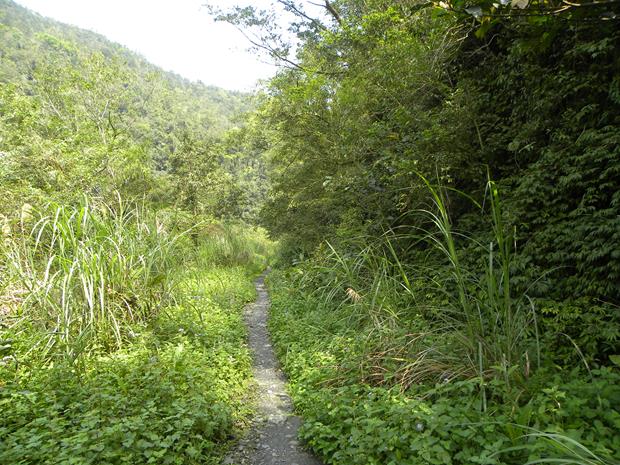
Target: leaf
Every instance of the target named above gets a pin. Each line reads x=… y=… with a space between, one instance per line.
x=475 y=11
x=522 y=4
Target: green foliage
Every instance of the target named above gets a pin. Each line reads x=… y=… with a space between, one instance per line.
x=487 y=14
x=121 y=337
x=347 y=140
x=86 y=274
x=390 y=90
x=173 y=395
x=80 y=115
x=547 y=127
x=113 y=350
x=432 y=321
x=421 y=324
x=580 y=331
x=447 y=304
x=350 y=421
x=236 y=245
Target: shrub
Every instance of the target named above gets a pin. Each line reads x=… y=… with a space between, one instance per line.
x=83 y=275
x=174 y=395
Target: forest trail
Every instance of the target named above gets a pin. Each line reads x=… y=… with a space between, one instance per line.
x=272 y=439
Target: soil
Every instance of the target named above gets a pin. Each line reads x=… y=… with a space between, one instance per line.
x=272 y=438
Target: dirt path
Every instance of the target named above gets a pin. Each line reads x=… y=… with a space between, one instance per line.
x=272 y=439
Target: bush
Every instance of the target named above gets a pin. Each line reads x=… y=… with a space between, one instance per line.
x=352 y=417
x=172 y=396
x=110 y=351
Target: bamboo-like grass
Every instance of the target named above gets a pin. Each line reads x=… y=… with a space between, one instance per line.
x=88 y=274
x=86 y=278
x=552 y=447
x=496 y=331
x=478 y=328
x=234 y=245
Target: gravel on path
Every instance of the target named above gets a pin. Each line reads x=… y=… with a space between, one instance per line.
x=272 y=439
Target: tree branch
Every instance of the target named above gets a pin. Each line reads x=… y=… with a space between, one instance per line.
x=272 y=51
x=329 y=7
x=291 y=5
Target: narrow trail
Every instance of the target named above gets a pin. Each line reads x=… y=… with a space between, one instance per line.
x=272 y=439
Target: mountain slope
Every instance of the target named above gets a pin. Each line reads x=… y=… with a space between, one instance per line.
x=22 y=31
x=80 y=115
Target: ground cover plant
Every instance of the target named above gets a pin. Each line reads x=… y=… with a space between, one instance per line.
x=444 y=187
x=122 y=340
x=443 y=181
x=405 y=392
x=126 y=253
x=435 y=362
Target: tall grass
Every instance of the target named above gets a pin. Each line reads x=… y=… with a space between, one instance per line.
x=234 y=245
x=86 y=275
x=458 y=321
x=552 y=447
x=493 y=326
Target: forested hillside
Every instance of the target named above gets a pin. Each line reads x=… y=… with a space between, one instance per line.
x=82 y=115
x=124 y=261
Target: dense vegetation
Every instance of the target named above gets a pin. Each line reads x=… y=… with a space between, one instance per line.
x=445 y=189
x=123 y=264
x=80 y=115
x=442 y=178
x=122 y=342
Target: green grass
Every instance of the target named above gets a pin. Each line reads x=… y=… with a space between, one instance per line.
x=174 y=395
x=122 y=341
x=345 y=382
x=83 y=276
x=235 y=244
x=432 y=317
x=435 y=360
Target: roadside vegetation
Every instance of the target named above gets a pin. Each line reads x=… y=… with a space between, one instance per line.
x=437 y=362
x=126 y=254
x=443 y=183
x=445 y=187
x=122 y=341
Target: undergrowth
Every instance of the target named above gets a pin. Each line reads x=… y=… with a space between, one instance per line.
x=352 y=417
x=400 y=361
x=122 y=341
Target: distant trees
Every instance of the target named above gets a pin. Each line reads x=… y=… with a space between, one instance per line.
x=80 y=115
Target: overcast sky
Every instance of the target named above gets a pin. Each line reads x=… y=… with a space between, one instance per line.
x=177 y=35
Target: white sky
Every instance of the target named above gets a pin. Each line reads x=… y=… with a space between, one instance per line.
x=177 y=35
